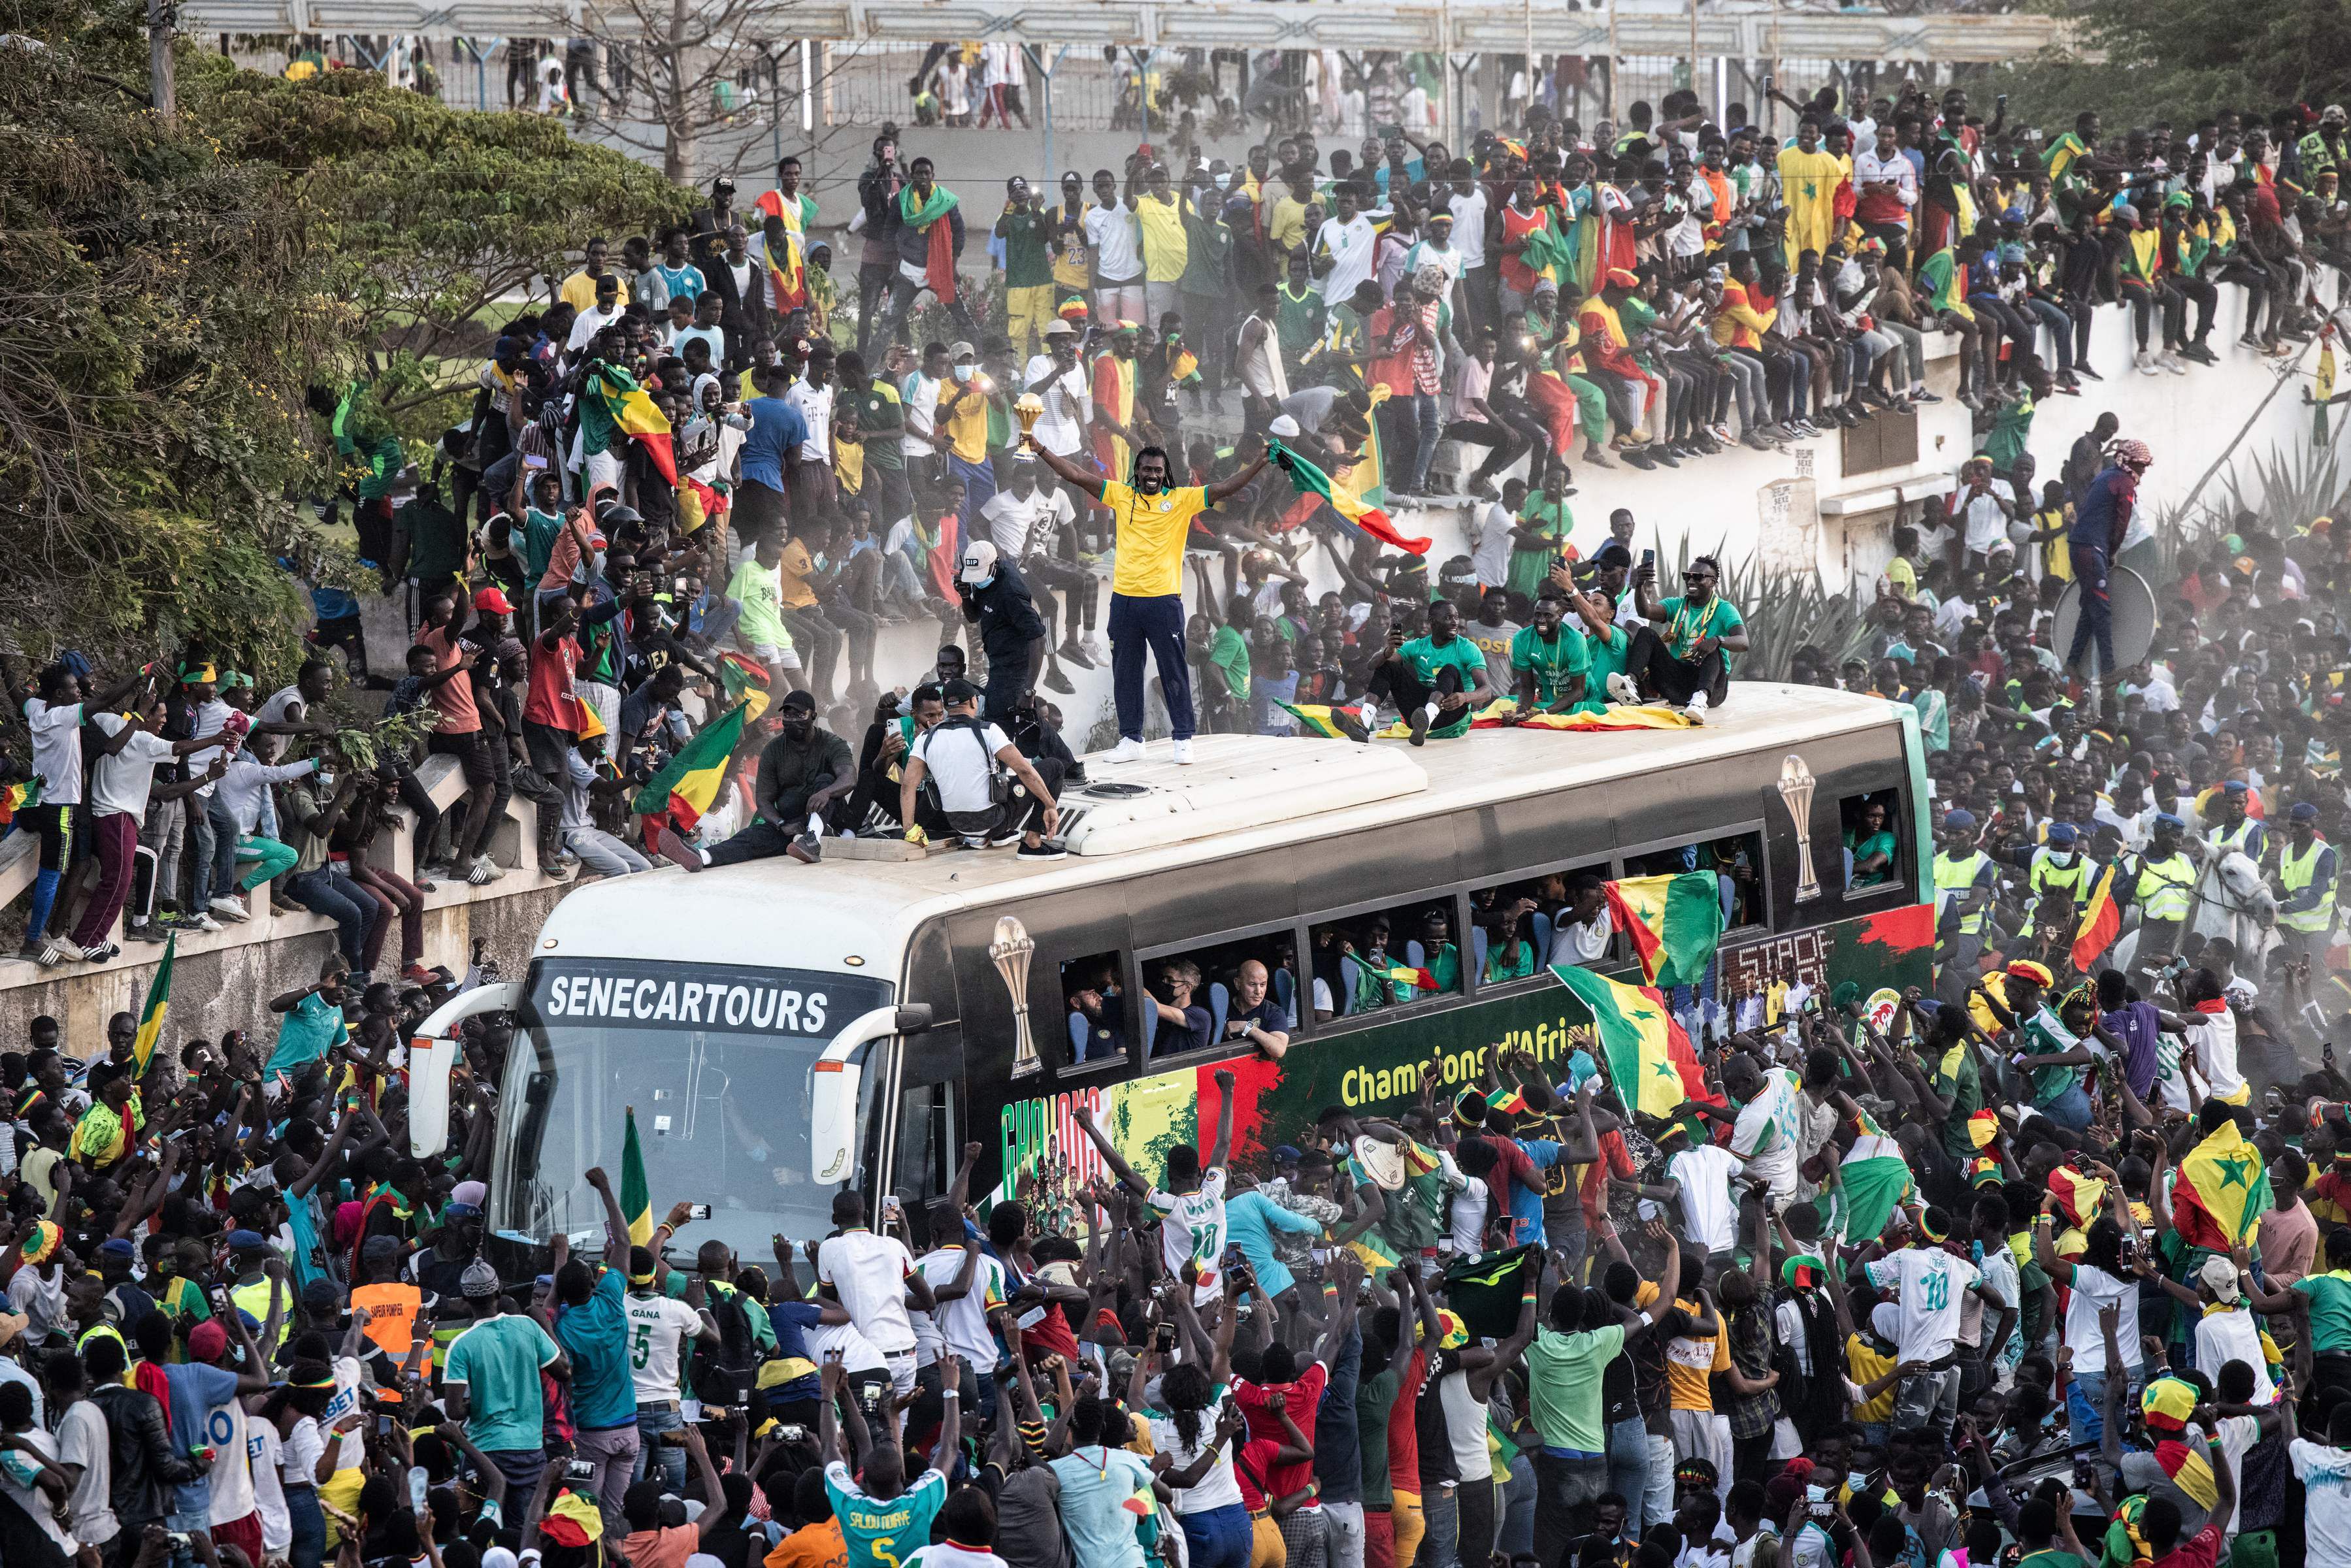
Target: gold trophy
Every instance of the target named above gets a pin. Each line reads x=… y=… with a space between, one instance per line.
x=1010 y=953
x=1796 y=785
x=1027 y=408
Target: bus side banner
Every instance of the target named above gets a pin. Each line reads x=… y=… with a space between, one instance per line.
x=1378 y=1070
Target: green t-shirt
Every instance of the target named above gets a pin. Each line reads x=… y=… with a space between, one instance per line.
x=2330 y=1309
x=1375 y=1396
x=1025 y=264
x=1964 y=1089
x=756 y=588
x=1296 y=322
x=878 y=1533
x=2051 y=1558
x=2005 y=444
x=1685 y=623
x=1552 y=663
x=2044 y=1036
x=1510 y=960
x=538 y=531
x=1607 y=658
x=499 y=1360
x=1875 y=844
x=1230 y=652
x=1425 y=659
x=1563 y=1374
x=881 y=421
x=1530 y=569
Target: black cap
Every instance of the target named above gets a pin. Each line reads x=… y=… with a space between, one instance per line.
x=798 y=702
x=959 y=691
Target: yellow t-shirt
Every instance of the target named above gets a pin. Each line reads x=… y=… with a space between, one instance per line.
x=1151 y=534
x=580 y=290
x=1690 y=1361
x=794 y=570
x=968 y=427
x=1285 y=228
x=1865 y=1365
x=1163 y=248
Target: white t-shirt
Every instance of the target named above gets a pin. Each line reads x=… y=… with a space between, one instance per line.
x=119 y=784
x=83 y=1440
x=2095 y=1288
x=869 y=1272
x=1118 y=249
x=1931 y=1283
x=1014 y=523
x=1583 y=945
x=963 y=1323
x=1987 y=517
x=1193 y=1228
x=2214 y=1035
x=1064 y=397
x=227 y=1429
x=1469 y=226
x=857 y=1353
x=1466 y=1216
x=261 y=1450
x=592 y=321
x=2326 y=1476
x=1219 y=1488
x=960 y=762
x=921 y=398
x=1489 y=546
x=2224 y=1337
x=298 y=1457
x=815 y=404
x=1709 y=1212
x=56 y=750
x=1353 y=248
x=31 y=1498
x=285 y=706
x=656 y=1325
x=1767 y=1133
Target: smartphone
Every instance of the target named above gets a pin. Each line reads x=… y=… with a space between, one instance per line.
x=1648 y=560
x=533 y=460
x=579 y=1470
x=689 y=1410
x=792 y=1434
x=698 y=1211
x=418 y=1484
x=384 y=1425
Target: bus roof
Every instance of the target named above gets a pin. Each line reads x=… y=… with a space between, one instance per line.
x=1244 y=793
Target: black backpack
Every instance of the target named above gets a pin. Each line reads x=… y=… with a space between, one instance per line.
x=722 y=1374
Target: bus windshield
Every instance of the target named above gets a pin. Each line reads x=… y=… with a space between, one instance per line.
x=716 y=1061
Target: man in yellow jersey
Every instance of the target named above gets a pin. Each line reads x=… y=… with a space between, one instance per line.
x=1146 y=591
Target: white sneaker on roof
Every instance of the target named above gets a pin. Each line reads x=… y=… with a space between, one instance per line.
x=1184 y=753
x=1127 y=750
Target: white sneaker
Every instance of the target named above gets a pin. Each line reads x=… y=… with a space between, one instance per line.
x=1092 y=646
x=1621 y=690
x=203 y=922
x=2171 y=361
x=1184 y=754
x=1126 y=750
x=2146 y=364
x=228 y=908
x=485 y=869
x=1695 y=709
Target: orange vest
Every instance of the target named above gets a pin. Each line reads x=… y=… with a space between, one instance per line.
x=392 y=1327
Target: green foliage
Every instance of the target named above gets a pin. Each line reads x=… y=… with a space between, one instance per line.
x=1784 y=611
x=169 y=290
x=2182 y=59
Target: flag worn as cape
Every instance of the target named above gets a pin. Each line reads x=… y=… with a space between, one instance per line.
x=152 y=1011
x=688 y=782
x=1871 y=1183
x=1331 y=723
x=1309 y=480
x=1486 y=1291
x=613 y=404
x=938 y=267
x=636 y=1200
x=1649 y=1058
x=1675 y=923
x=2101 y=922
x=2079 y=1198
x=2221 y=1191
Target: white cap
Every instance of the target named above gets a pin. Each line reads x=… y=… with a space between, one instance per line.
x=978 y=561
x=1284 y=427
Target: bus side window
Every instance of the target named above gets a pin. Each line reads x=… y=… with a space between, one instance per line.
x=1872 y=846
x=1736 y=859
x=1385 y=958
x=1236 y=996
x=1520 y=928
x=1094 y=1000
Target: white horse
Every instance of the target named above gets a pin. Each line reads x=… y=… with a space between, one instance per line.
x=2229 y=898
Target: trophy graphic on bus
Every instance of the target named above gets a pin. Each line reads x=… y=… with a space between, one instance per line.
x=1010 y=953
x=1796 y=785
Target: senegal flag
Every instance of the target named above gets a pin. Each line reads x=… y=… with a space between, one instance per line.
x=1649 y=1058
x=2222 y=1192
x=1873 y=1182
x=636 y=1199
x=1675 y=922
x=1309 y=480
x=612 y=405
x=2101 y=922
x=688 y=784
x=152 y=1011
x=746 y=681
x=1329 y=722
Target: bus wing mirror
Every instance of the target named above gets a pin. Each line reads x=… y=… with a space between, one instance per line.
x=835 y=1084
x=434 y=1054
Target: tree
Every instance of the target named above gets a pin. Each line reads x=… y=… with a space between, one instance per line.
x=2183 y=59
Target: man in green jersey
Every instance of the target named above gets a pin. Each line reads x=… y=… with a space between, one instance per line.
x=884 y=1517
x=1549 y=662
x=1442 y=675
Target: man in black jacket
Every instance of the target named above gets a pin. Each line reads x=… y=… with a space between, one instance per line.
x=802 y=772
x=144 y=1461
x=1011 y=633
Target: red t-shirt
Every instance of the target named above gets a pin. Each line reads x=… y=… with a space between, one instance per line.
x=1614 y=1160
x=1304 y=1398
x=1254 y=1467
x=1404 y=1432
x=455 y=696
x=2198 y=1551
x=550 y=700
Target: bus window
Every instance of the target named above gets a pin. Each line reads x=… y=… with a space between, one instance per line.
x=1094 y=1000
x=1372 y=961
x=1518 y=928
x=1736 y=858
x=1218 y=994
x=1873 y=850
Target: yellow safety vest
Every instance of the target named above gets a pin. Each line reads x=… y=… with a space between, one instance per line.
x=1956 y=879
x=253 y=1301
x=2074 y=879
x=2162 y=891
x=2227 y=839
x=2296 y=875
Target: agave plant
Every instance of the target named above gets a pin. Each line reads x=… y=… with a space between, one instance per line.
x=2281 y=490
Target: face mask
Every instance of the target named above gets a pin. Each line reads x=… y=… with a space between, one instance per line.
x=326 y=779
x=1224 y=182
x=963 y=372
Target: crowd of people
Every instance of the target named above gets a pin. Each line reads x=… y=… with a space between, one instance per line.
x=2047 y=1261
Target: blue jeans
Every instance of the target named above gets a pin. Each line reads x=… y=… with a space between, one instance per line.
x=1440 y=1540
x=2086 y=1404
x=1628 y=1468
x=316 y=892
x=652 y=1420
x=1429 y=426
x=310 y=1525
x=217 y=836
x=1218 y=1537
x=2091 y=567
x=2069 y=1109
x=1155 y=623
x=1517 y=1536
